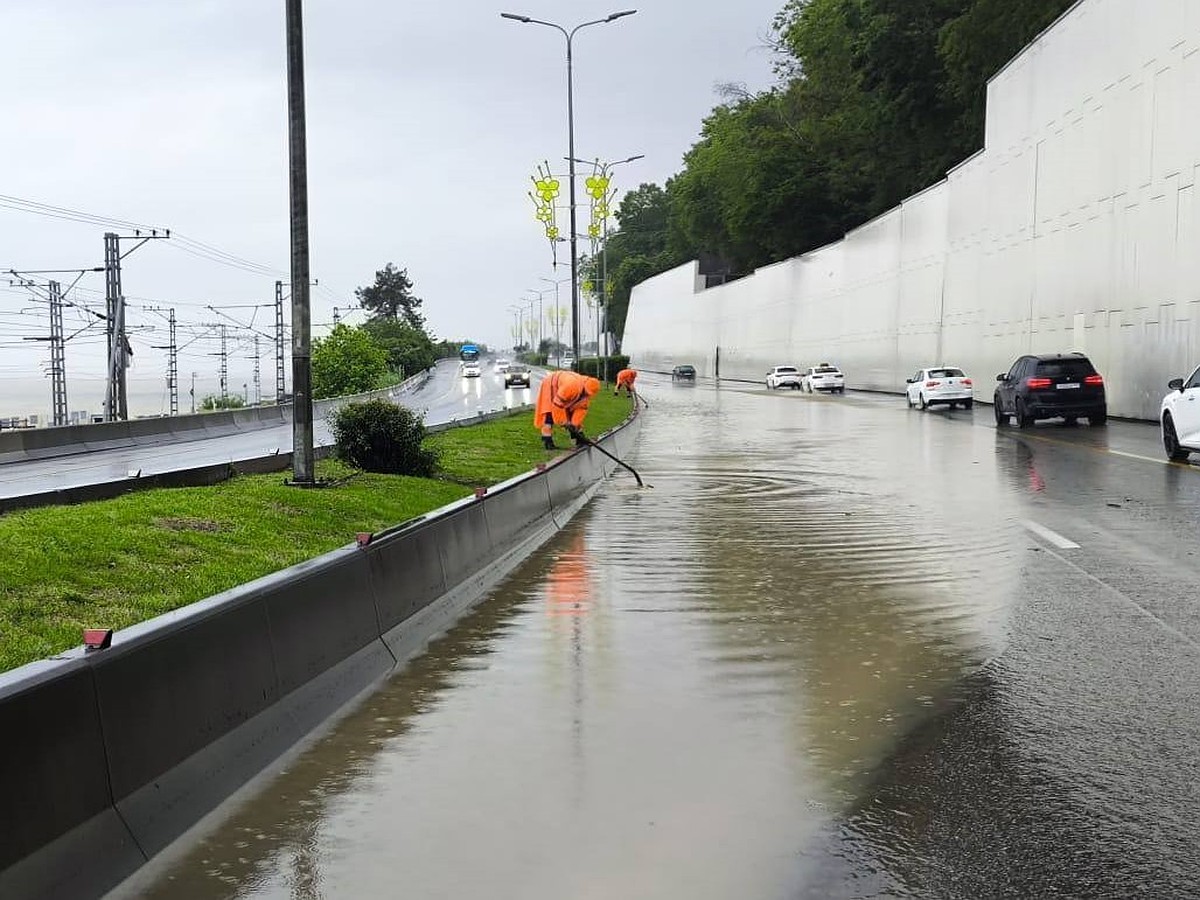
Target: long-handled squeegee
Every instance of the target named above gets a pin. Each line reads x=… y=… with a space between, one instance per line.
x=619 y=462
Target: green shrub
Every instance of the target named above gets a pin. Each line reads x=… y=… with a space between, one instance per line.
x=379 y=436
x=594 y=366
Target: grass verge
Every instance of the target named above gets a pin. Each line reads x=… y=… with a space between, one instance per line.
x=117 y=562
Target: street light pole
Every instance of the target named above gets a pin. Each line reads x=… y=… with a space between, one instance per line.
x=303 y=463
x=570 y=36
x=604 y=299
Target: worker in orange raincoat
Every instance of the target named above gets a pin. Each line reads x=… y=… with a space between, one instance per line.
x=563 y=400
x=625 y=379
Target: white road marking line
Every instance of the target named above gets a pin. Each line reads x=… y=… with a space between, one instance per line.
x=1121 y=594
x=1152 y=459
x=1051 y=537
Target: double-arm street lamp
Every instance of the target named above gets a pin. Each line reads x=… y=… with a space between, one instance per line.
x=570 y=36
x=603 y=279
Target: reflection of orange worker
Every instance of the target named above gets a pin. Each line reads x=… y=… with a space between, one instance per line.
x=625 y=379
x=563 y=400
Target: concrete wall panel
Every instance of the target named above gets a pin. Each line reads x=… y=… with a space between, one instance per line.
x=52 y=773
x=406 y=569
x=165 y=697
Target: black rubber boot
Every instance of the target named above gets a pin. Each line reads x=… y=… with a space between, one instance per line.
x=548 y=443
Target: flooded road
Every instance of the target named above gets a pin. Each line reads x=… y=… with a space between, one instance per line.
x=827 y=654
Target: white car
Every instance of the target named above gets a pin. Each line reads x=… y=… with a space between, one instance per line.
x=783 y=376
x=939 y=384
x=1180 y=418
x=824 y=378
x=502 y=366
x=470 y=370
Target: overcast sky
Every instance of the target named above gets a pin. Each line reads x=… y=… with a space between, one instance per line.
x=425 y=121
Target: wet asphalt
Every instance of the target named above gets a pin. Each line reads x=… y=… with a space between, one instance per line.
x=444 y=397
x=839 y=649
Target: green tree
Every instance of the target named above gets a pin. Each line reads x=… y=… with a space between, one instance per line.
x=392 y=297
x=409 y=349
x=229 y=401
x=978 y=43
x=348 y=361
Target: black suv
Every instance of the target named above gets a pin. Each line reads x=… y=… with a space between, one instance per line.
x=1049 y=386
x=683 y=373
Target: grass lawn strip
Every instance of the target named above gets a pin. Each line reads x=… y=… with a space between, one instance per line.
x=114 y=563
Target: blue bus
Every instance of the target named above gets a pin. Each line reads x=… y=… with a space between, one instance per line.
x=469 y=353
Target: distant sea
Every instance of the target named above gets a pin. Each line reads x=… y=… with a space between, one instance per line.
x=25 y=396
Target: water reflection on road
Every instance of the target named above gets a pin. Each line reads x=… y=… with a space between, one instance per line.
x=680 y=696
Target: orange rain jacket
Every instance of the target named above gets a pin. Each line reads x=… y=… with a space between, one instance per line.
x=626 y=378
x=564 y=396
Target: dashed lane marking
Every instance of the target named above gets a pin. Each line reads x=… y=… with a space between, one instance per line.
x=1050 y=537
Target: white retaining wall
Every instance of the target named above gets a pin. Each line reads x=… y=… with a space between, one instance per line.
x=1076 y=228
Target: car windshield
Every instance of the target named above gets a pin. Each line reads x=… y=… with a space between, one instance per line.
x=517 y=369
x=825 y=370
x=1071 y=368
x=946 y=373
x=785 y=370
x=685 y=370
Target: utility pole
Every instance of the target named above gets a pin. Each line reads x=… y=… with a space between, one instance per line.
x=173 y=366
x=172 y=349
x=224 y=363
x=58 y=355
x=116 y=404
x=280 y=384
x=193 y=393
x=303 y=462
x=337 y=316
x=257 y=374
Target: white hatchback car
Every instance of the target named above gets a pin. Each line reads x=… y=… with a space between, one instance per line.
x=824 y=378
x=470 y=370
x=784 y=376
x=1180 y=418
x=940 y=384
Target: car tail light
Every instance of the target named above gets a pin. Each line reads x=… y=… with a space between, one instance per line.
x=966 y=382
x=1035 y=383
x=1094 y=380
x=932 y=383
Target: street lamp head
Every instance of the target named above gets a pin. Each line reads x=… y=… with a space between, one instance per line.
x=620 y=15
x=515 y=17
x=632 y=158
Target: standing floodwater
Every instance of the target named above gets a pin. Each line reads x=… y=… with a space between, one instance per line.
x=711 y=688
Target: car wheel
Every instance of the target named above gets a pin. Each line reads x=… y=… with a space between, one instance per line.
x=1024 y=420
x=921 y=404
x=1001 y=415
x=1175 y=453
x=1098 y=420
x=970 y=404
x=908 y=399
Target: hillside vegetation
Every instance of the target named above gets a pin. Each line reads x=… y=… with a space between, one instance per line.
x=875 y=100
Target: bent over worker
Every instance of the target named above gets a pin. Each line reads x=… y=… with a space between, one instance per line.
x=563 y=400
x=625 y=379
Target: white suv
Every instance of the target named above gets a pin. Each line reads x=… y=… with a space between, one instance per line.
x=1180 y=418
x=941 y=384
x=824 y=378
x=783 y=376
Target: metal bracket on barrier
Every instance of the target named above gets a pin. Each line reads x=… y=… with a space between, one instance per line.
x=480 y=493
x=363 y=538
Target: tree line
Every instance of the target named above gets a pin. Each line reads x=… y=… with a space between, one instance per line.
x=391 y=345
x=874 y=101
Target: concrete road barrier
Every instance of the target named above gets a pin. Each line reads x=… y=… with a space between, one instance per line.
x=122 y=750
